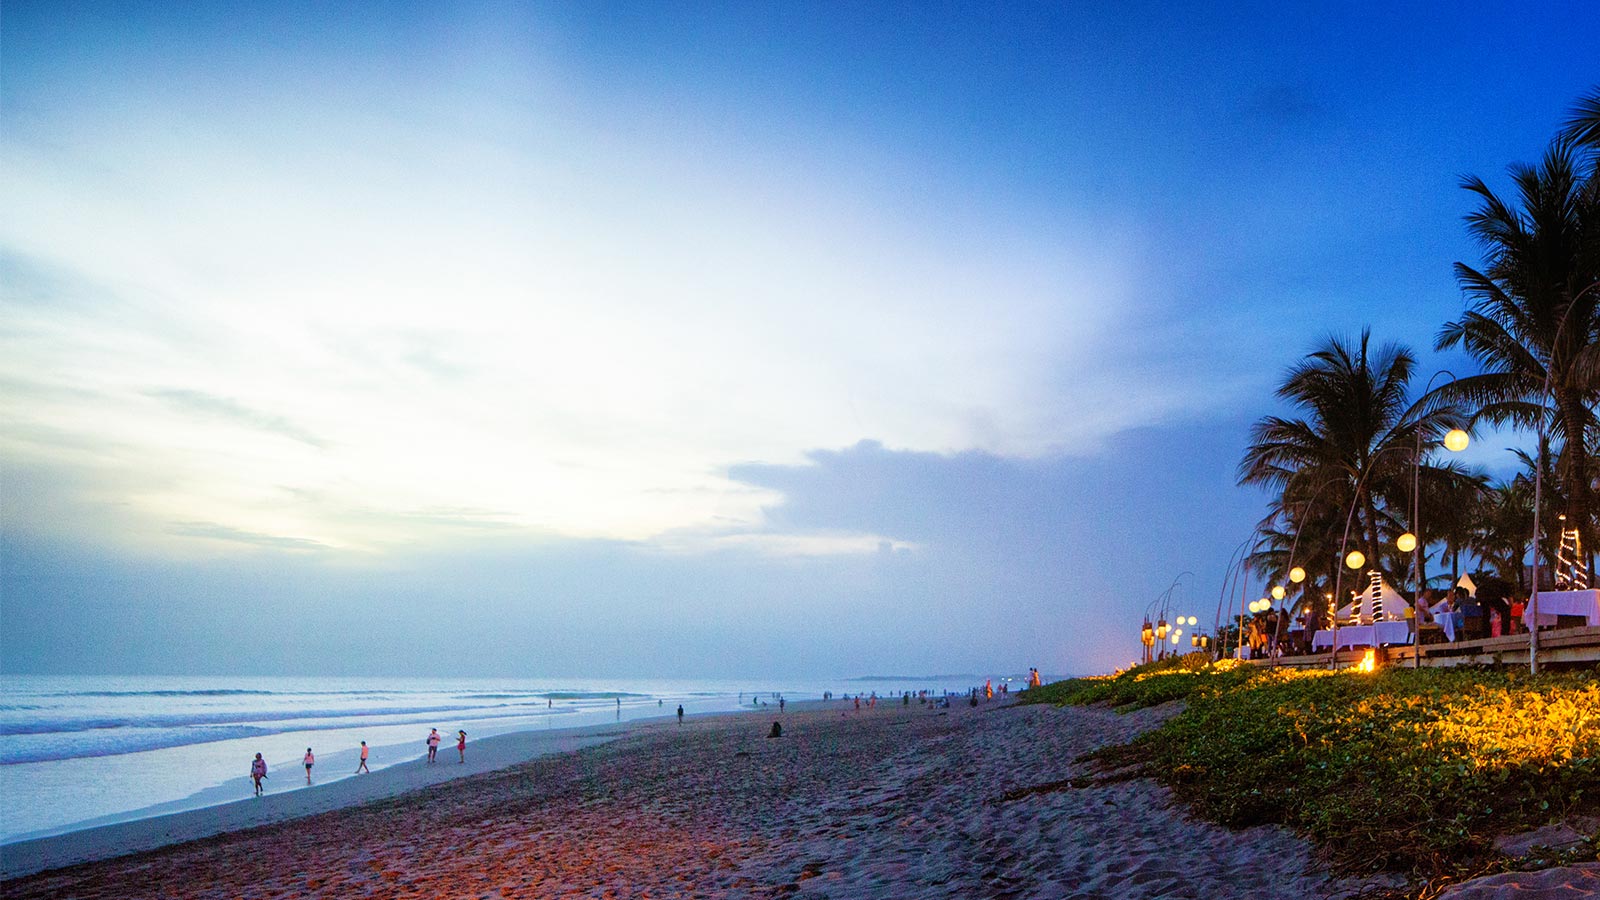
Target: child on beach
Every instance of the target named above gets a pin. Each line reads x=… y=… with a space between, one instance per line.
x=461 y=745
x=363 y=767
x=309 y=761
x=258 y=771
x=433 y=744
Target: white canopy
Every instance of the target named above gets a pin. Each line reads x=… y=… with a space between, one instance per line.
x=1378 y=603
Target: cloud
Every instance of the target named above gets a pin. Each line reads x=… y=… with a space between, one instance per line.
x=1287 y=105
x=435 y=311
x=203 y=404
x=215 y=532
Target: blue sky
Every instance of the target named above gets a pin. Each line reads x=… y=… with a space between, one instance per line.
x=746 y=339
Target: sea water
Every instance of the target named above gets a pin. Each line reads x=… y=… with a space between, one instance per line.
x=78 y=751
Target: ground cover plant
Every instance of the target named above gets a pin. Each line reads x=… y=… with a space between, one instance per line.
x=1400 y=769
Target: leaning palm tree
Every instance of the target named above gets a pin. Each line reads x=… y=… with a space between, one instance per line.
x=1504 y=518
x=1534 y=316
x=1583 y=126
x=1450 y=494
x=1500 y=533
x=1359 y=430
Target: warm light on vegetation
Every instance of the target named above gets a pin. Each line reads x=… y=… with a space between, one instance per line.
x=1402 y=768
x=1369 y=662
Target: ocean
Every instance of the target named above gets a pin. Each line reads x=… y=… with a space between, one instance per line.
x=80 y=751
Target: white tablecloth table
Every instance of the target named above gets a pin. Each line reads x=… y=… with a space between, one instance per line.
x=1364 y=635
x=1565 y=603
x=1450 y=621
x=1393 y=632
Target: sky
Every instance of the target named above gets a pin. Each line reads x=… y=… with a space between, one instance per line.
x=697 y=340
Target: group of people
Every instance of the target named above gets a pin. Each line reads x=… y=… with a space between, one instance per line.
x=433 y=745
x=1456 y=612
x=1459 y=615
x=1267 y=633
x=258 y=766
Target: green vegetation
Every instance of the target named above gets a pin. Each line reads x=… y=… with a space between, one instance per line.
x=1174 y=678
x=1399 y=769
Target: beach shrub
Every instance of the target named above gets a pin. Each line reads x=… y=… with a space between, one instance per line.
x=1175 y=678
x=1402 y=768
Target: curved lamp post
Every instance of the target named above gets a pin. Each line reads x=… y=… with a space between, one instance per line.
x=1165 y=598
x=1297 y=575
x=1354 y=559
x=1234 y=569
x=1455 y=440
x=1538 y=485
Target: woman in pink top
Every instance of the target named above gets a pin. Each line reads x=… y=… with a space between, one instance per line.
x=461 y=744
x=258 y=771
x=309 y=761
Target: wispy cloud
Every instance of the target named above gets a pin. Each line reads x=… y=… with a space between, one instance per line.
x=217 y=532
x=202 y=404
x=575 y=332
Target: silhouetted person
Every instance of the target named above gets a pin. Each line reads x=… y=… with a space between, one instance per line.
x=680 y=713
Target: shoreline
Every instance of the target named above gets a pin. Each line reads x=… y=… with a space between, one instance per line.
x=123 y=836
x=897 y=801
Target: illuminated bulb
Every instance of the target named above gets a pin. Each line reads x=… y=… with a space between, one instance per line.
x=1456 y=440
x=1297 y=574
x=1406 y=542
x=1278 y=592
x=1193 y=621
x=1355 y=559
x=1174 y=640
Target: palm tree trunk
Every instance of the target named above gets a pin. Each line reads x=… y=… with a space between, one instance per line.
x=1577 y=466
x=1422 y=561
x=1372 y=531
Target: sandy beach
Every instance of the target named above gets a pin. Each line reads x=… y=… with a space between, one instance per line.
x=888 y=802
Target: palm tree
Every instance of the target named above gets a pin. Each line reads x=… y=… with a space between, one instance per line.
x=1505 y=518
x=1532 y=317
x=1359 y=438
x=1451 y=496
x=1583 y=126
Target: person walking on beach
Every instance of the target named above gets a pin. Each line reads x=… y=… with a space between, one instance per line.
x=461 y=745
x=433 y=745
x=258 y=771
x=680 y=713
x=363 y=767
x=309 y=761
